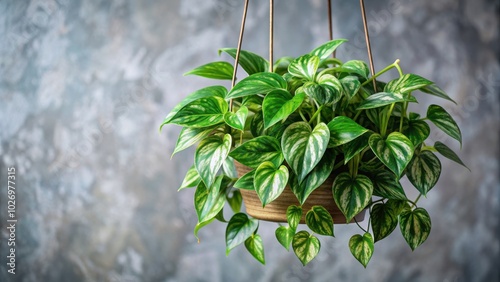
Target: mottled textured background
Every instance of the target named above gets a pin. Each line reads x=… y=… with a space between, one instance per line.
x=84 y=86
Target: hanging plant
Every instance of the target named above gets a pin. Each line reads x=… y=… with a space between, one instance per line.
x=312 y=119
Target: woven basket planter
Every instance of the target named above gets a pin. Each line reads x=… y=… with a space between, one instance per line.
x=276 y=210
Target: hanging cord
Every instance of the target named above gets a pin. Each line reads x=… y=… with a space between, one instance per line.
x=368 y=45
x=238 y=50
x=271 y=35
x=330 y=24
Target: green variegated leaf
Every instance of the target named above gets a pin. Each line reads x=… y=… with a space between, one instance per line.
x=214 y=70
x=281 y=65
x=257 y=124
x=424 y=171
x=235 y=200
x=255 y=247
x=229 y=168
x=239 y=228
x=381 y=99
x=362 y=247
x=356 y=146
x=395 y=151
x=352 y=194
x=351 y=86
x=253 y=103
x=211 y=91
x=304 y=147
x=384 y=220
x=259 y=83
x=355 y=66
x=304 y=67
x=200 y=226
x=407 y=83
x=246 y=181
x=398 y=206
x=446 y=152
x=278 y=105
x=250 y=62
x=258 y=150
x=293 y=216
x=314 y=179
x=386 y=185
x=237 y=120
x=284 y=235
x=333 y=89
x=306 y=246
x=270 y=181
x=322 y=93
x=192 y=179
x=208 y=202
x=319 y=220
x=344 y=130
x=415 y=226
x=210 y=155
x=190 y=136
x=203 y=112
x=417 y=131
x=436 y=91
x=325 y=50
x=443 y=120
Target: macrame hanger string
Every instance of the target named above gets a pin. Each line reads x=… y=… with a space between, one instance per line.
x=271 y=35
x=238 y=50
x=330 y=24
x=368 y=45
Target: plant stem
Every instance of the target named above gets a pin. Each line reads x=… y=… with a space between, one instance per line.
x=302 y=115
x=360 y=225
x=316 y=114
x=416 y=200
x=386 y=69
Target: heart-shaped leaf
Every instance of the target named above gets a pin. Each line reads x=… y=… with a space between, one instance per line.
x=355 y=66
x=395 y=151
x=190 y=136
x=319 y=220
x=285 y=234
x=362 y=247
x=351 y=86
x=215 y=70
x=278 y=105
x=245 y=182
x=253 y=103
x=443 y=120
x=386 y=185
x=424 y=171
x=239 y=228
x=333 y=87
x=258 y=150
x=322 y=93
x=192 y=179
x=314 y=179
x=306 y=246
x=436 y=91
x=344 y=130
x=415 y=226
x=352 y=194
x=446 y=152
x=407 y=83
x=398 y=206
x=203 y=112
x=250 y=62
x=417 y=131
x=210 y=155
x=304 y=67
x=255 y=247
x=303 y=147
x=383 y=99
x=325 y=50
x=229 y=168
x=269 y=181
x=383 y=220
x=257 y=124
x=293 y=216
x=208 y=202
x=237 y=120
x=199 y=226
x=258 y=83
x=211 y=91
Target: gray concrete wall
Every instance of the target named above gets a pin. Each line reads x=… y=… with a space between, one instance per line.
x=84 y=86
